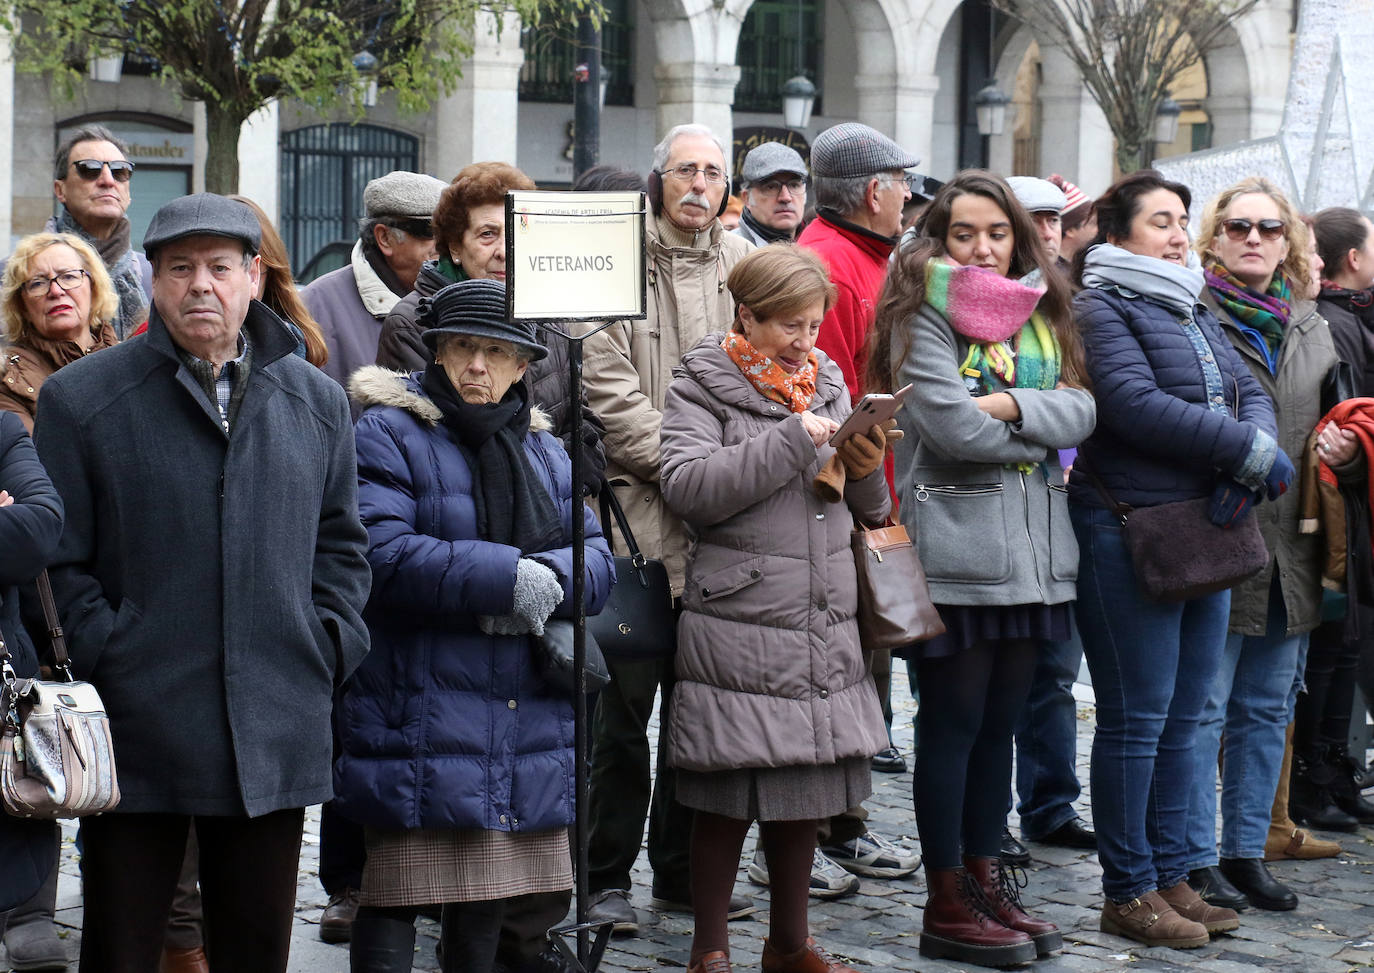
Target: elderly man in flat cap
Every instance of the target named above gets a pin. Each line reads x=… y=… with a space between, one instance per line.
x=773 y=186
x=1044 y=201
x=210 y=579
x=859 y=177
x=395 y=237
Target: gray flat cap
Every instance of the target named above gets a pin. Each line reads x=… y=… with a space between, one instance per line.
x=769 y=158
x=203 y=214
x=1038 y=195
x=411 y=195
x=851 y=149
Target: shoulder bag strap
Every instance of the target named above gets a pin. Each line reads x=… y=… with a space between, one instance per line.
x=1121 y=510
x=55 y=635
x=610 y=506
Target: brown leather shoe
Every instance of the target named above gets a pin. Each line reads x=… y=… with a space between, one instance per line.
x=717 y=961
x=959 y=923
x=1187 y=903
x=1001 y=884
x=811 y=958
x=336 y=922
x=1150 y=920
x=184 y=961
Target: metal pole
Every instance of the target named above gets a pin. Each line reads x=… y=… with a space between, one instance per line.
x=580 y=750
x=587 y=98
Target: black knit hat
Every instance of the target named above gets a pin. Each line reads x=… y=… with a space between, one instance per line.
x=475 y=307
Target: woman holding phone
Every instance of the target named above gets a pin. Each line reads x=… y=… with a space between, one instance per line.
x=998 y=389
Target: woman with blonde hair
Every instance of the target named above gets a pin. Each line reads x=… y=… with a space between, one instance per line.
x=1254 y=250
x=775 y=717
x=59 y=305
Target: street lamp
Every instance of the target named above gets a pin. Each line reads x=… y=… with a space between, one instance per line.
x=798 y=98
x=990 y=106
x=1166 y=121
x=365 y=63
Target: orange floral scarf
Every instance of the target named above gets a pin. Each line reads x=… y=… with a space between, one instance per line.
x=794 y=391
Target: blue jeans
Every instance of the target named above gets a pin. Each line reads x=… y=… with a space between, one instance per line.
x=1046 y=742
x=1251 y=699
x=1152 y=664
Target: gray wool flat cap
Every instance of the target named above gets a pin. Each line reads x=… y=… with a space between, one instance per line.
x=412 y=195
x=203 y=214
x=851 y=150
x=1038 y=195
x=770 y=158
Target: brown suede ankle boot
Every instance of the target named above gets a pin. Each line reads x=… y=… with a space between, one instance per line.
x=961 y=924
x=1285 y=838
x=1150 y=920
x=1187 y=903
x=1002 y=886
x=811 y=958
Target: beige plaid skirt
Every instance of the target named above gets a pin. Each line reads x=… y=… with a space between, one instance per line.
x=423 y=867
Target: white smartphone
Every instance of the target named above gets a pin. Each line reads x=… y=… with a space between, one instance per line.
x=874 y=408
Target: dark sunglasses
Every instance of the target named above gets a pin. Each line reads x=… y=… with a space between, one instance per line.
x=420 y=229
x=1239 y=229
x=89 y=169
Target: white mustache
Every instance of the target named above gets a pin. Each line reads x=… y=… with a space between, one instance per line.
x=696 y=199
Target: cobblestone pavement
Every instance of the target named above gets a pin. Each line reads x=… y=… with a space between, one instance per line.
x=1332 y=931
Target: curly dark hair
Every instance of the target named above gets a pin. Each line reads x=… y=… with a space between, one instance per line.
x=905 y=289
x=479 y=184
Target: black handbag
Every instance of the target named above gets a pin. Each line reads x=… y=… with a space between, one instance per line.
x=553 y=653
x=637 y=623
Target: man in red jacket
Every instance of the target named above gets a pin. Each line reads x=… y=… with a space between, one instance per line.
x=860 y=186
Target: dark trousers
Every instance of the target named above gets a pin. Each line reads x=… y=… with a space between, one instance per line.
x=620 y=788
x=1323 y=711
x=130 y=867
x=343 y=851
x=1047 y=742
x=183 y=928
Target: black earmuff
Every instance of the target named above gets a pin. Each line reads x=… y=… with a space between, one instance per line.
x=655 y=194
x=725 y=197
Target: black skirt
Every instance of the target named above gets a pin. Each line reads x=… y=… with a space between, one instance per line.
x=966 y=625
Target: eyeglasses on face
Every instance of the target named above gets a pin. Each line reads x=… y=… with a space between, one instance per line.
x=65 y=279
x=1238 y=229
x=771 y=187
x=89 y=169
x=687 y=172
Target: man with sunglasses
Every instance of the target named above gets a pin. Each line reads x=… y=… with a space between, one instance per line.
x=91 y=179
x=395 y=237
x=773 y=186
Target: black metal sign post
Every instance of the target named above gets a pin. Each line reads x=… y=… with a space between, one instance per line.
x=589 y=951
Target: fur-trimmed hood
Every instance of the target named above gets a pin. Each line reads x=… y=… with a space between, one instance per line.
x=375 y=385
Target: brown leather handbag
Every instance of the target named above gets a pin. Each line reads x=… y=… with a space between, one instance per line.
x=56 y=756
x=895 y=609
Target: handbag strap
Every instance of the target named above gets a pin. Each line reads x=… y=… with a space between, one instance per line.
x=55 y=635
x=1121 y=510
x=610 y=506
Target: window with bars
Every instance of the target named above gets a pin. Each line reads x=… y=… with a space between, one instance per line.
x=768 y=52
x=551 y=57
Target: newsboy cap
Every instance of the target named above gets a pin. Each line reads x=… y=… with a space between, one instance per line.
x=410 y=195
x=769 y=158
x=476 y=307
x=1038 y=195
x=203 y=214
x=851 y=149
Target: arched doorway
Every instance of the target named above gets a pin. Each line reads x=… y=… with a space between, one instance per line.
x=324 y=169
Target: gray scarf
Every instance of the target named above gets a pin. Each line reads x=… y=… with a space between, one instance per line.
x=123 y=269
x=1108 y=267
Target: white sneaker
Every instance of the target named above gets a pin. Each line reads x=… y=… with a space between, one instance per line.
x=828 y=880
x=873 y=856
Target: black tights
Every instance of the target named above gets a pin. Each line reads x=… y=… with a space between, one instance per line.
x=787 y=847
x=383 y=939
x=969 y=705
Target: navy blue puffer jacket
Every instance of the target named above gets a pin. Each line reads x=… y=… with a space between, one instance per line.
x=444 y=726
x=29 y=530
x=1156 y=440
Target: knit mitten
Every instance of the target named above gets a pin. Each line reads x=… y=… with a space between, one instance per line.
x=537 y=594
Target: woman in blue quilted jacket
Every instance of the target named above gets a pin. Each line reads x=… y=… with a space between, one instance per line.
x=456 y=753
x=1179 y=417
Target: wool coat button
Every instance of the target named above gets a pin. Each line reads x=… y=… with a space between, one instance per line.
x=510 y=704
x=825 y=694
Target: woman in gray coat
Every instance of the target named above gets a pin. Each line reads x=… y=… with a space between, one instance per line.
x=774 y=715
x=976 y=319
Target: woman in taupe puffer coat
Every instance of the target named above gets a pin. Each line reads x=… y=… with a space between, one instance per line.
x=774 y=715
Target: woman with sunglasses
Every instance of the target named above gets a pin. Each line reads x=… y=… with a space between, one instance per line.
x=59 y=305
x=1254 y=249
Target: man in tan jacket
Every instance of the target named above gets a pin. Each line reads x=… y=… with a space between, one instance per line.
x=628 y=369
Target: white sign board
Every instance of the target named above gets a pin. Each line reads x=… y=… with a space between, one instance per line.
x=574 y=256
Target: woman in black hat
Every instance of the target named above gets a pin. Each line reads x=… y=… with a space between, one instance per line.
x=456 y=754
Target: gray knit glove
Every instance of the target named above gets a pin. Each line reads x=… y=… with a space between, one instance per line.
x=537 y=594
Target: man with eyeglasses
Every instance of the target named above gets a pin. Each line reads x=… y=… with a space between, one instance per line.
x=628 y=370
x=92 y=181
x=395 y=237
x=773 y=186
